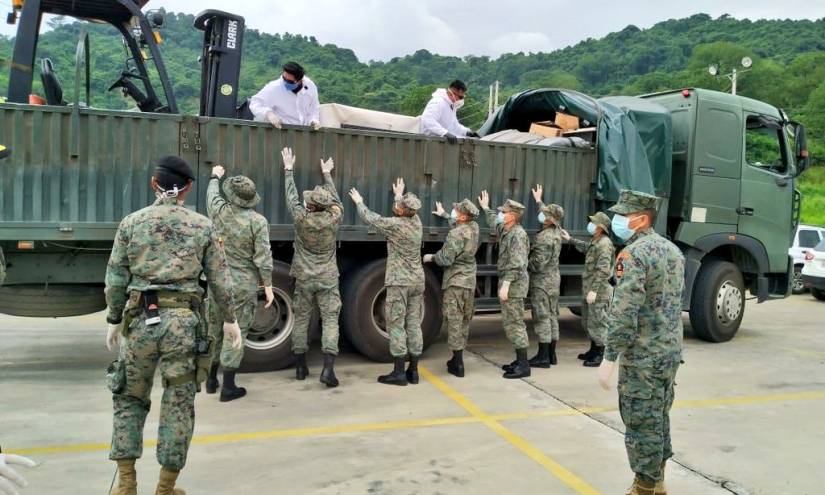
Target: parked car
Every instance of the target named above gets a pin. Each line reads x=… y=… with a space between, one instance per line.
x=813 y=273
x=807 y=237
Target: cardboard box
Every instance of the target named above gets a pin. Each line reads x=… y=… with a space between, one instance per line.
x=546 y=129
x=566 y=121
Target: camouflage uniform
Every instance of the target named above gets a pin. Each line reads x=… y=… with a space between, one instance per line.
x=404 y=279
x=646 y=331
x=163 y=247
x=545 y=278
x=458 y=257
x=244 y=235
x=513 y=252
x=314 y=264
x=598 y=270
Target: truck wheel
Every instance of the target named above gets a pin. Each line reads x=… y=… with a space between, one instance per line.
x=52 y=301
x=269 y=342
x=718 y=302
x=576 y=310
x=818 y=294
x=798 y=287
x=363 y=311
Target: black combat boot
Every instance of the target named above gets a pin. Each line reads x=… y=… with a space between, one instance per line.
x=397 y=376
x=588 y=353
x=596 y=359
x=328 y=374
x=542 y=357
x=212 y=382
x=412 y=370
x=553 y=360
x=455 y=366
x=522 y=367
x=301 y=370
x=230 y=391
x=509 y=367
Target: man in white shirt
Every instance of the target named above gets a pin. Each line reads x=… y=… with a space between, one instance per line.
x=290 y=99
x=439 y=117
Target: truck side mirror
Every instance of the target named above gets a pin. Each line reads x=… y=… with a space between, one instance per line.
x=803 y=160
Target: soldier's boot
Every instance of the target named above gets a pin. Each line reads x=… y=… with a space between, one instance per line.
x=212 y=382
x=126 y=478
x=584 y=356
x=328 y=374
x=596 y=359
x=660 y=488
x=509 y=367
x=397 y=376
x=230 y=391
x=553 y=359
x=522 y=367
x=166 y=483
x=301 y=370
x=542 y=357
x=412 y=370
x=640 y=487
x=455 y=366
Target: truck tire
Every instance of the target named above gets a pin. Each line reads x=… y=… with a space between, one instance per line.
x=718 y=302
x=818 y=294
x=797 y=287
x=576 y=310
x=363 y=311
x=52 y=301
x=269 y=342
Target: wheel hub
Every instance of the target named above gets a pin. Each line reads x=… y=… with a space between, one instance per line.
x=272 y=325
x=728 y=303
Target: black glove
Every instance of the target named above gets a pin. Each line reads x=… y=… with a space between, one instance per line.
x=451 y=138
x=473 y=134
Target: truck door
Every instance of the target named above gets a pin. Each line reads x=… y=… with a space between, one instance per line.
x=766 y=204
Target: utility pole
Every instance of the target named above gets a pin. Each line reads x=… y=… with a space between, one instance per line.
x=496 y=105
x=490 y=102
x=733 y=82
x=714 y=70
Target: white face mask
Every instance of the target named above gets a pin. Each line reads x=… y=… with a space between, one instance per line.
x=591 y=228
x=458 y=104
x=454 y=215
x=542 y=217
x=500 y=217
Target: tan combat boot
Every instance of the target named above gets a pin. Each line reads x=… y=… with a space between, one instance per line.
x=166 y=484
x=126 y=478
x=660 y=488
x=642 y=487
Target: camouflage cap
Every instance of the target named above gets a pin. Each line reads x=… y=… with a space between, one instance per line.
x=511 y=205
x=600 y=219
x=633 y=201
x=553 y=210
x=410 y=201
x=467 y=207
x=319 y=197
x=240 y=191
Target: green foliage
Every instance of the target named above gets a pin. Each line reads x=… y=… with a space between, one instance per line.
x=812 y=187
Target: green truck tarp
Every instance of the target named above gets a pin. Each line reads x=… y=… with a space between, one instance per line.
x=634 y=135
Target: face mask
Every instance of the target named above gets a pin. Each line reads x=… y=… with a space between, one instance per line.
x=620 y=226
x=591 y=228
x=542 y=217
x=458 y=104
x=454 y=215
x=291 y=86
x=500 y=217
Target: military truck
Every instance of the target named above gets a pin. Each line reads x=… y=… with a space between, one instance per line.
x=724 y=167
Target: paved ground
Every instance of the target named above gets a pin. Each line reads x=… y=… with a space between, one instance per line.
x=748 y=419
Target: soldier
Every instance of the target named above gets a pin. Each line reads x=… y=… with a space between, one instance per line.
x=404 y=280
x=314 y=265
x=598 y=270
x=646 y=332
x=513 y=280
x=153 y=300
x=244 y=235
x=545 y=280
x=458 y=257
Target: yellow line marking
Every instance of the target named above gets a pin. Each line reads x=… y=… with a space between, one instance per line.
x=805 y=352
x=566 y=476
x=748 y=399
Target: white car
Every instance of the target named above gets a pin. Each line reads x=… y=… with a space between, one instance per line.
x=807 y=236
x=813 y=273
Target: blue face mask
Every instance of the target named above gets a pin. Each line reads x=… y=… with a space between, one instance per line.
x=591 y=228
x=500 y=217
x=454 y=215
x=291 y=86
x=620 y=226
x=542 y=217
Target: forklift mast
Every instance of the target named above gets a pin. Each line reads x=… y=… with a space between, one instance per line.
x=220 y=62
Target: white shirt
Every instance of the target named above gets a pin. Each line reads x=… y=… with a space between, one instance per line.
x=439 y=117
x=291 y=108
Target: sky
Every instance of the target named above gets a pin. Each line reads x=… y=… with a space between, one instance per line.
x=383 y=29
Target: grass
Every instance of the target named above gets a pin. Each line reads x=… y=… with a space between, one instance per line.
x=812 y=186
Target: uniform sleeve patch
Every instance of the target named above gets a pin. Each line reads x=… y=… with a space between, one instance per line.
x=620 y=260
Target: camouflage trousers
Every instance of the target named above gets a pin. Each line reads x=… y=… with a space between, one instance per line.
x=645 y=399
x=403 y=311
x=169 y=345
x=594 y=319
x=512 y=319
x=459 y=306
x=325 y=294
x=230 y=358
x=545 y=309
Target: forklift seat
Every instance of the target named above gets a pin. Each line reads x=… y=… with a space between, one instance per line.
x=51 y=84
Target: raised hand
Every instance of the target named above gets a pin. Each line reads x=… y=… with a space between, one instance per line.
x=398 y=187
x=428 y=258
x=439 y=208
x=356 y=196
x=484 y=200
x=537 y=192
x=288 y=157
x=218 y=171
x=327 y=165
